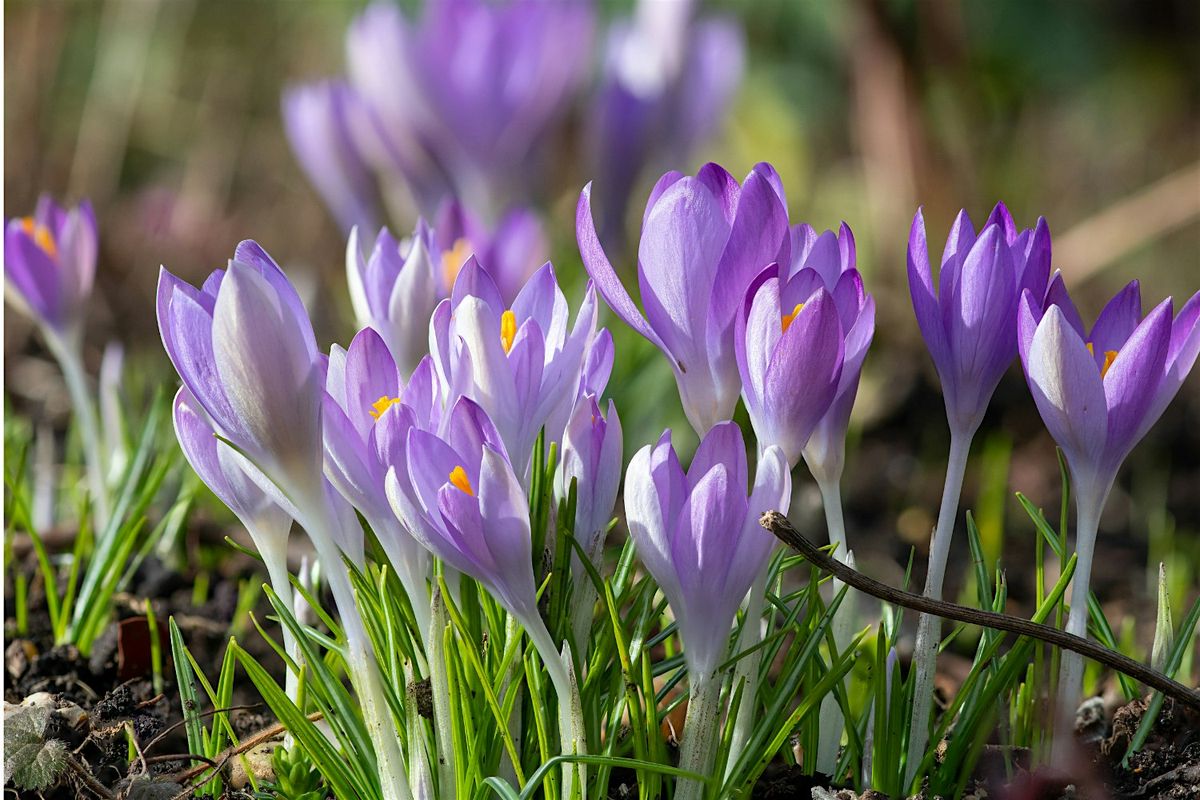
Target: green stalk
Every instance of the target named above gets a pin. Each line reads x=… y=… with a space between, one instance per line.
x=831 y=720
x=571 y=727
x=928 y=626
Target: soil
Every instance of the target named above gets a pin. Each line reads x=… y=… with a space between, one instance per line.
x=100 y=700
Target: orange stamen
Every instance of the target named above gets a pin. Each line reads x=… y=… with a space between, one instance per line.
x=381 y=405
x=788 y=319
x=42 y=236
x=458 y=477
x=453 y=260
x=508 y=330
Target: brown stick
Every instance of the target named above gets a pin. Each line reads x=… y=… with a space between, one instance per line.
x=254 y=741
x=779 y=525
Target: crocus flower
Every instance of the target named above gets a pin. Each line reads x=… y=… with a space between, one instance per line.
x=359 y=449
x=969 y=321
x=591 y=460
x=244 y=347
x=831 y=259
x=50 y=263
x=316 y=119
x=697 y=532
x=49 y=266
x=789 y=353
x=704 y=239
x=1099 y=392
x=667 y=81
x=522 y=363
x=475 y=84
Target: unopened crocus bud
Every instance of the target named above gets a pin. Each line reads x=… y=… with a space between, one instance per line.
x=50 y=264
x=395 y=289
x=969 y=321
x=703 y=241
x=697 y=532
x=591 y=458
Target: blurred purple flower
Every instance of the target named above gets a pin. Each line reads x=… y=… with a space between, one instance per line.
x=459 y=99
x=316 y=118
x=969 y=322
x=522 y=363
x=459 y=496
x=667 y=81
x=703 y=241
x=50 y=264
x=511 y=252
x=828 y=260
x=1099 y=393
x=698 y=533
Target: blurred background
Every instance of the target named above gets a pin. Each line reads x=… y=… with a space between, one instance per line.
x=167 y=114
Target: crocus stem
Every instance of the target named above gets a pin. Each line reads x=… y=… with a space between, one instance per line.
x=70 y=360
x=571 y=729
x=360 y=657
x=929 y=626
x=439 y=685
x=746 y=672
x=832 y=721
x=274 y=556
x=701 y=731
x=1088 y=506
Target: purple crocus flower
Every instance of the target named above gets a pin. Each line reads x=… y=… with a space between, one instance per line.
x=359 y=446
x=969 y=321
x=789 y=353
x=50 y=264
x=244 y=347
x=520 y=363
x=460 y=497
x=1099 y=392
x=828 y=260
x=698 y=533
x=317 y=121
x=704 y=239
x=667 y=81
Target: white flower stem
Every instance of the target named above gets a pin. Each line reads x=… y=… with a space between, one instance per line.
x=360 y=656
x=571 y=729
x=439 y=685
x=832 y=721
x=1089 y=503
x=273 y=550
x=67 y=351
x=746 y=672
x=929 y=626
x=701 y=731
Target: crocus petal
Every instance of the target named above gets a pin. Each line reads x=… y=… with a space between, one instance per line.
x=1068 y=389
x=1117 y=321
x=924 y=298
x=1132 y=381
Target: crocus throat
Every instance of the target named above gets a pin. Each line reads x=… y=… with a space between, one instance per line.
x=458 y=477
x=508 y=330
x=453 y=260
x=382 y=404
x=41 y=235
x=788 y=319
x=1109 y=357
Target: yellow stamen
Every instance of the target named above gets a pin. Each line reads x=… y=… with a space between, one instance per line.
x=458 y=477
x=508 y=330
x=788 y=319
x=453 y=260
x=382 y=404
x=1109 y=357
x=42 y=236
